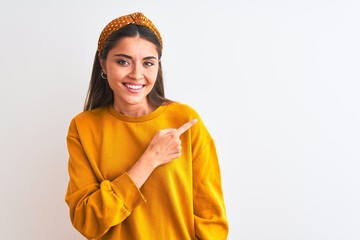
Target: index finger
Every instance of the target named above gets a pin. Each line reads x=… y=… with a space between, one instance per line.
x=186 y=126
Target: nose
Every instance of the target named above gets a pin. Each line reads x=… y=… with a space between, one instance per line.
x=136 y=72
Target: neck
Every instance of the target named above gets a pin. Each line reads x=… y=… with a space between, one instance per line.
x=135 y=110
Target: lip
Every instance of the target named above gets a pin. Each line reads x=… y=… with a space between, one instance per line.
x=134 y=88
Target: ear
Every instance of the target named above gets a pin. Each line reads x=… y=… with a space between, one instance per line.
x=102 y=64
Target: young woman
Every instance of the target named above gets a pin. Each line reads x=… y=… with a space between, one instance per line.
x=140 y=166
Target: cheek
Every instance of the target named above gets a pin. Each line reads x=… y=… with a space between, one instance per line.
x=153 y=76
x=116 y=74
x=112 y=85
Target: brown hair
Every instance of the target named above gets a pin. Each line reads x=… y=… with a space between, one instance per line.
x=99 y=93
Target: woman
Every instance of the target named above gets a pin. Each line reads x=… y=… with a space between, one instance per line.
x=140 y=166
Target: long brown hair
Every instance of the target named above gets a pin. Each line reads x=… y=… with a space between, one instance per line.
x=99 y=93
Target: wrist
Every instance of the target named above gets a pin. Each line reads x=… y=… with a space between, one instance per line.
x=142 y=169
x=148 y=160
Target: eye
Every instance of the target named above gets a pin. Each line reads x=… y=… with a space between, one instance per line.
x=122 y=62
x=148 y=64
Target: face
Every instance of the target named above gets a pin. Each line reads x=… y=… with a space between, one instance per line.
x=131 y=68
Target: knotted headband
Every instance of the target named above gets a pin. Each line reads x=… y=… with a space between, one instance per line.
x=120 y=22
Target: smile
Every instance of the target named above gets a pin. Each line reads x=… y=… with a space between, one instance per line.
x=133 y=86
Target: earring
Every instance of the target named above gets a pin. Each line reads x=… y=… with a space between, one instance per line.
x=103 y=76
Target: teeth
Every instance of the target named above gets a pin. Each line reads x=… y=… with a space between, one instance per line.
x=135 y=87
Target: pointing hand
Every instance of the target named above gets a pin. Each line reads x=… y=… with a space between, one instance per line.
x=166 y=145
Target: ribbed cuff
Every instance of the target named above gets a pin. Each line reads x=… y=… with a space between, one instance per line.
x=128 y=192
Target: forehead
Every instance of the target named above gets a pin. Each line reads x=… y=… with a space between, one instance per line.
x=135 y=45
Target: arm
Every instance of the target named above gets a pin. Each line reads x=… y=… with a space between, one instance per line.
x=209 y=208
x=96 y=204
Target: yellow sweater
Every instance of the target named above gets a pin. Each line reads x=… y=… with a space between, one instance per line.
x=180 y=200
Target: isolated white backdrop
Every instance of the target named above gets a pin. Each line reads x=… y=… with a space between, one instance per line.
x=277 y=83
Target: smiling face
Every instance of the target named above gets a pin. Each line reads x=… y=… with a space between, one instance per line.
x=131 y=68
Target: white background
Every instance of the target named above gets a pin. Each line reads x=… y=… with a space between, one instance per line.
x=276 y=82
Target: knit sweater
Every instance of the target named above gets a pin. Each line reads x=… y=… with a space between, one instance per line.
x=180 y=200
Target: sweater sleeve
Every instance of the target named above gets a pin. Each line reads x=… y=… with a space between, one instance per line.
x=209 y=208
x=96 y=204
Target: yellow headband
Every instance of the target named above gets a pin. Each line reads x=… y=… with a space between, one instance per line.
x=134 y=18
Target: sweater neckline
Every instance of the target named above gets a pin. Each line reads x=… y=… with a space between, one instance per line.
x=142 y=118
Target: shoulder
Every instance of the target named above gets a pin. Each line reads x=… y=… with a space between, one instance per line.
x=91 y=115
x=183 y=113
x=182 y=109
x=88 y=119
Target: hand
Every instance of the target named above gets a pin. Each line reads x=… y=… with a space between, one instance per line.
x=166 y=144
x=163 y=148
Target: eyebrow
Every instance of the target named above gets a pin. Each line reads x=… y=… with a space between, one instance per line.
x=129 y=57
